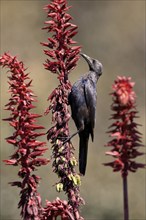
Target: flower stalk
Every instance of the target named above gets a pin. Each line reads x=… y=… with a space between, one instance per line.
x=124 y=131
x=63 y=55
x=28 y=150
x=125 y=196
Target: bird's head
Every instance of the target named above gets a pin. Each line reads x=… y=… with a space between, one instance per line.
x=94 y=65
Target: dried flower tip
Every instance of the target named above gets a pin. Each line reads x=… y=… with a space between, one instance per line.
x=59 y=187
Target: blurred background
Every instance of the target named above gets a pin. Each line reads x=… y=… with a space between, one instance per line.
x=114 y=33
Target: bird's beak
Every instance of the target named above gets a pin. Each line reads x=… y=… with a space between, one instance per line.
x=87 y=58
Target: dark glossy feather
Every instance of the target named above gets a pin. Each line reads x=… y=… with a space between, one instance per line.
x=82 y=100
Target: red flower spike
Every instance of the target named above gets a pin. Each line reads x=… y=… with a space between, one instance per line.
x=127 y=139
x=61 y=42
x=58 y=208
x=62 y=57
x=28 y=149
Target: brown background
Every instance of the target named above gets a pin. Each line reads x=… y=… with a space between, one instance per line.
x=114 y=33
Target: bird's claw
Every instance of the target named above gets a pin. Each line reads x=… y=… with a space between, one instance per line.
x=64 y=139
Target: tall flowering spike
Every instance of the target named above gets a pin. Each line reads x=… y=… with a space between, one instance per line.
x=28 y=151
x=61 y=52
x=62 y=58
x=124 y=130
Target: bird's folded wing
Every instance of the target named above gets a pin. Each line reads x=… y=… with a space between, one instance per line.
x=90 y=97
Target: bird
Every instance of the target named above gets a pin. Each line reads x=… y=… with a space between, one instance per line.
x=82 y=100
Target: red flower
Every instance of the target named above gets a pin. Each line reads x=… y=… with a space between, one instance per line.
x=28 y=151
x=57 y=208
x=123 y=88
x=62 y=58
x=126 y=137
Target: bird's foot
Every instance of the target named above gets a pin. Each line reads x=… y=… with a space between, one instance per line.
x=68 y=138
x=64 y=139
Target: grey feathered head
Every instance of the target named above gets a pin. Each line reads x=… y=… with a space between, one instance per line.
x=94 y=65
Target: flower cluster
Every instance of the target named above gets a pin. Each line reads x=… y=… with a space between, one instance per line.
x=28 y=151
x=123 y=89
x=57 y=208
x=62 y=58
x=126 y=137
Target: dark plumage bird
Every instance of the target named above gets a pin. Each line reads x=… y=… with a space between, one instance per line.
x=82 y=100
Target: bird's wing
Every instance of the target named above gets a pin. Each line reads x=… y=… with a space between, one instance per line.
x=90 y=97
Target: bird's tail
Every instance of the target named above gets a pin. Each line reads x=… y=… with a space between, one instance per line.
x=83 y=150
